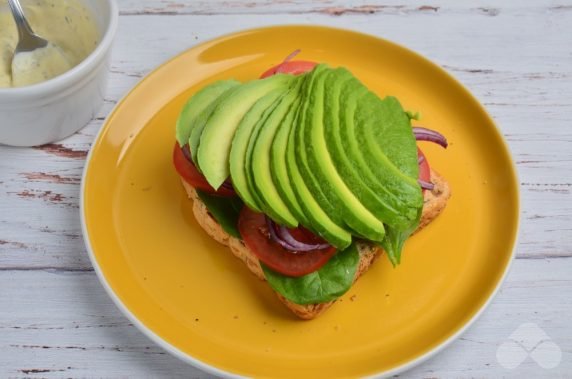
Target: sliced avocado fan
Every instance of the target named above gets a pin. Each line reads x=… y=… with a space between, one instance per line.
x=317 y=149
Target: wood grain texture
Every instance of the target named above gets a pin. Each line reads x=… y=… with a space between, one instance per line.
x=515 y=57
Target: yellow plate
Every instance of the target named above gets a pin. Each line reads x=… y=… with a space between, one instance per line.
x=199 y=302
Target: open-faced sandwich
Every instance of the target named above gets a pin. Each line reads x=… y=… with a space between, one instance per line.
x=307 y=176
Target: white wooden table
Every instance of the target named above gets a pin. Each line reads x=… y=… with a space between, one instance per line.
x=515 y=56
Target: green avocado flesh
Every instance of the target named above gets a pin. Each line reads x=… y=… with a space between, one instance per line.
x=196 y=104
x=340 y=201
x=216 y=137
x=199 y=122
x=310 y=198
x=318 y=150
x=258 y=160
x=239 y=147
x=278 y=169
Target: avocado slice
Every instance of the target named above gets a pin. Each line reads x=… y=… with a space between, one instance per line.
x=394 y=238
x=195 y=105
x=216 y=138
x=319 y=221
x=278 y=168
x=258 y=159
x=201 y=121
x=351 y=94
x=336 y=119
x=400 y=186
x=386 y=183
x=396 y=126
x=313 y=186
x=320 y=166
x=238 y=162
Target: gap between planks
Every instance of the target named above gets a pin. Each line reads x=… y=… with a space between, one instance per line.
x=330 y=8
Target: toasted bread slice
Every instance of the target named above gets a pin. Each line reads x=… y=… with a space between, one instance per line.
x=434 y=203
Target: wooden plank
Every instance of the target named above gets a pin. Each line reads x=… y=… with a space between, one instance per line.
x=62 y=324
x=487 y=8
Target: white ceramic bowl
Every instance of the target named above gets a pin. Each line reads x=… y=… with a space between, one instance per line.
x=54 y=109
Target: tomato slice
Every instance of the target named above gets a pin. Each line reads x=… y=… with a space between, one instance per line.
x=254 y=231
x=424 y=168
x=290 y=67
x=191 y=175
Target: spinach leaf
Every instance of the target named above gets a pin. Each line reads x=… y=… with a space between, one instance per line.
x=393 y=244
x=328 y=283
x=225 y=210
x=395 y=238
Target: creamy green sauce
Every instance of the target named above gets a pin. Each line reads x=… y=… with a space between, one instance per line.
x=69 y=26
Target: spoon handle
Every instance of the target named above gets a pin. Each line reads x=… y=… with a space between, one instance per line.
x=25 y=32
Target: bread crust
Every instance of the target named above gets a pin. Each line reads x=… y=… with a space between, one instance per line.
x=434 y=202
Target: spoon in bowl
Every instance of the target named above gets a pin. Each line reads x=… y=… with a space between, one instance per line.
x=28 y=40
x=35 y=59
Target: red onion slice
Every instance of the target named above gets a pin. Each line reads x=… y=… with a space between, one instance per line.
x=426 y=185
x=424 y=134
x=285 y=234
x=287 y=59
x=187 y=152
x=271 y=229
x=291 y=56
x=227 y=184
x=284 y=238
